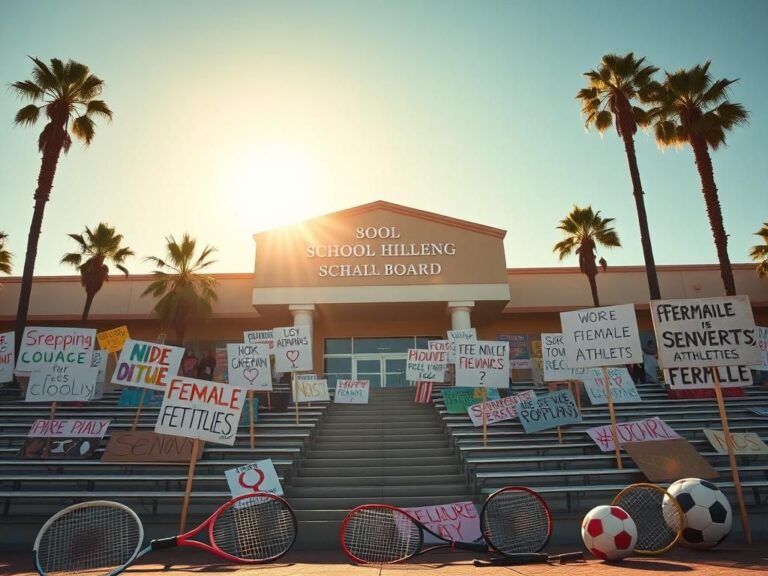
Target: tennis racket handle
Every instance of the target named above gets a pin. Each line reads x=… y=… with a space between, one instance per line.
x=471 y=546
x=567 y=557
x=161 y=543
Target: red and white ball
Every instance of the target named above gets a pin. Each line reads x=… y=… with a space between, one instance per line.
x=609 y=532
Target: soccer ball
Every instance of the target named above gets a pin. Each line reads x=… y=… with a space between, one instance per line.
x=609 y=532
x=708 y=516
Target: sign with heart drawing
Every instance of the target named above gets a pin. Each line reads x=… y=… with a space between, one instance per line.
x=293 y=349
x=248 y=366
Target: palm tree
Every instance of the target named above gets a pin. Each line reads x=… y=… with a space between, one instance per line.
x=693 y=108
x=585 y=230
x=759 y=253
x=185 y=293
x=96 y=247
x=5 y=256
x=612 y=87
x=66 y=92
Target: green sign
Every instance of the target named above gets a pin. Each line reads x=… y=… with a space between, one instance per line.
x=458 y=399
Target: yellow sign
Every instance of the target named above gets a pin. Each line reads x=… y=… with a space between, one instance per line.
x=744 y=443
x=113 y=340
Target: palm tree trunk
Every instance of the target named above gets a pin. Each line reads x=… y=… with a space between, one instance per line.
x=642 y=217
x=87 y=309
x=714 y=212
x=593 y=287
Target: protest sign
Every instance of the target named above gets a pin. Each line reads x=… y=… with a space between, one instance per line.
x=458 y=522
x=42 y=347
x=554 y=360
x=457 y=336
x=498 y=410
x=312 y=391
x=705 y=332
x=140 y=446
x=62 y=383
x=293 y=349
x=351 y=392
x=260 y=476
x=483 y=364
x=113 y=340
x=669 y=460
x=651 y=429
x=759 y=410
x=537 y=372
x=200 y=409
x=458 y=399
x=762 y=344
x=133 y=397
x=147 y=364
x=548 y=411
x=264 y=337
x=606 y=336
x=69 y=428
x=426 y=365
x=58 y=448
x=622 y=387
x=99 y=361
x=245 y=415
x=698 y=377
x=221 y=372
x=744 y=443
x=248 y=366
x=7 y=340
x=519 y=352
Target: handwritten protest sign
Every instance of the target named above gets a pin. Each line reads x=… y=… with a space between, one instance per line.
x=519 y=353
x=7 y=340
x=113 y=340
x=705 y=332
x=260 y=476
x=248 y=366
x=264 y=337
x=147 y=364
x=458 y=522
x=457 y=336
x=352 y=392
x=62 y=383
x=99 y=361
x=554 y=360
x=651 y=429
x=548 y=411
x=744 y=443
x=312 y=391
x=622 y=387
x=458 y=399
x=58 y=448
x=669 y=460
x=76 y=427
x=293 y=349
x=762 y=344
x=147 y=446
x=43 y=346
x=200 y=409
x=698 y=377
x=133 y=397
x=606 y=336
x=425 y=365
x=498 y=410
x=483 y=364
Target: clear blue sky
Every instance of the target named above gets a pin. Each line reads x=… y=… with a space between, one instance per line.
x=232 y=117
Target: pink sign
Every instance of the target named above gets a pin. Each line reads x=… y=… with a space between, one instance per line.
x=458 y=521
x=74 y=428
x=498 y=410
x=638 y=431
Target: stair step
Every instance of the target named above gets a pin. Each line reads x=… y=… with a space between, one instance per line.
x=412 y=489
x=330 y=461
x=380 y=471
x=416 y=478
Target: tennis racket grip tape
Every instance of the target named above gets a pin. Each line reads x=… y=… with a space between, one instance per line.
x=471 y=546
x=161 y=543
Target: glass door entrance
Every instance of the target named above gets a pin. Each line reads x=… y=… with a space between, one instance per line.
x=382 y=370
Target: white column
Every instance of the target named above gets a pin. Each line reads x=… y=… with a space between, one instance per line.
x=460 y=319
x=302 y=314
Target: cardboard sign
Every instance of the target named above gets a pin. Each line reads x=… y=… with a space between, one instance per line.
x=58 y=448
x=519 y=352
x=651 y=429
x=130 y=398
x=147 y=364
x=7 y=340
x=147 y=446
x=426 y=365
x=669 y=460
x=498 y=410
x=260 y=476
x=62 y=383
x=458 y=399
x=42 y=347
x=293 y=349
x=312 y=391
x=548 y=411
x=457 y=336
x=705 y=332
x=263 y=337
x=698 y=377
x=99 y=361
x=71 y=428
x=762 y=344
x=245 y=415
x=553 y=359
x=352 y=392
x=458 y=522
x=606 y=336
x=248 y=366
x=744 y=443
x=113 y=340
x=483 y=364
x=201 y=409
x=537 y=372
x=623 y=389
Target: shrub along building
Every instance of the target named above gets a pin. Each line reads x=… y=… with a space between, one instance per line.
x=372 y=282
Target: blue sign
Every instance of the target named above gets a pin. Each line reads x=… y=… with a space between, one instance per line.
x=548 y=411
x=130 y=397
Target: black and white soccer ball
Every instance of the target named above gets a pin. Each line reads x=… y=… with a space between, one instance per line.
x=708 y=515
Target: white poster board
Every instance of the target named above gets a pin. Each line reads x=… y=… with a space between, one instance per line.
x=352 y=392
x=458 y=522
x=697 y=377
x=248 y=366
x=99 y=361
x=293 y=349
x=606 y=336
x=425 y=365
x=68 y=428
x=744 y=443
x=260 y=476
x=623 y=389
x=43 y=346
x=147 y=364
x=498 y=410
x=457 y=336
x=762 y=344
x=201 y=409
x=312 y=391
x=482 y=364
x=646 y=430
x=7 y=340
x=62 y=383
x=554 y=360
x=705 y=332
x=264 y=337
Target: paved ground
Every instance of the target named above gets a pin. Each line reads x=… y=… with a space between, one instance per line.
x=727 y=560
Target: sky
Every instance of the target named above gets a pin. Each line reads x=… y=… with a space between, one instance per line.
x=235 y=117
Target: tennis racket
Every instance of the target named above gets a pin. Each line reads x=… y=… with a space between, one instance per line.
x=658 y=516
x=103 y=538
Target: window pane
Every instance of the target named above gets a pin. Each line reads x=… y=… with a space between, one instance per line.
x=382 y=345
x=338 y=365
x=368 y=366
x=338 y=346
x=334 y=378
x=422 y=342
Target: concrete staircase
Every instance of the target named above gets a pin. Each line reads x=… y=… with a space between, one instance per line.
x=390 y=451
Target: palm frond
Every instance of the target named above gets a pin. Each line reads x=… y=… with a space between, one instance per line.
x=28 y=89
x=84 y=128
x=98 y=107
x=27 y=115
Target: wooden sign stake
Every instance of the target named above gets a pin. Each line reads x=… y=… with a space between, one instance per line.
x=188 y=488
x=250 y=406
x=269 y=400
x=484 y=398
x=138 y=410
x=295 y=387
x=612 y=412
x=52 y=413
x=732 y=459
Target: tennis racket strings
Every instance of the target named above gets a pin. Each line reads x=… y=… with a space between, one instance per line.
x=516 y=521
x=379 y=535
x=657 y=515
